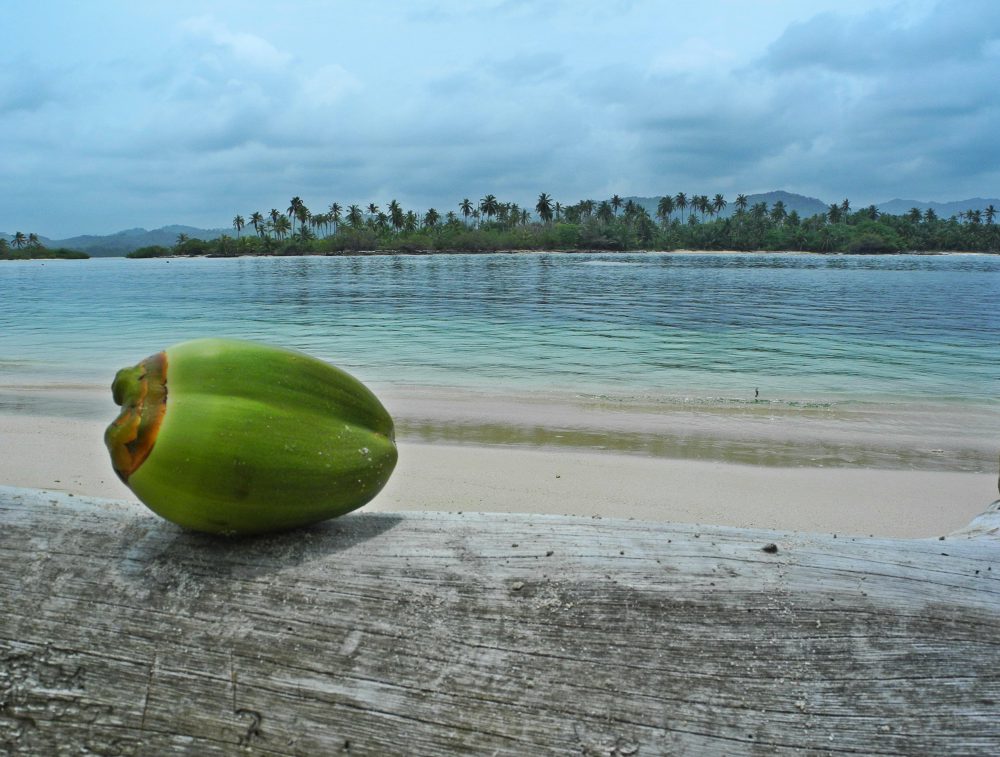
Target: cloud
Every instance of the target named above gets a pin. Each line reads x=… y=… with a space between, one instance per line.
x=207 y=115
x=887 y=39
x=219 y=90
x=692 y=55
x=327 y=85
x=241 y=47
x=867 y=103
x=26 y=88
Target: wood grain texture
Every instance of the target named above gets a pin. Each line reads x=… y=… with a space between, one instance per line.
x=436 y=633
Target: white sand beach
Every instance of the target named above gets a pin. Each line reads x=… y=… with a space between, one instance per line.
x=68 y=454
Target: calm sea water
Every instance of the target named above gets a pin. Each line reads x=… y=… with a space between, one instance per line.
x=799 y=327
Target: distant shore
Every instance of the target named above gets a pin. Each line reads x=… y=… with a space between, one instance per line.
x=515 y=251
x=429 y=252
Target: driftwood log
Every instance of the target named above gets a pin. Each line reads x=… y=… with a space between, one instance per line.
x=437 y=633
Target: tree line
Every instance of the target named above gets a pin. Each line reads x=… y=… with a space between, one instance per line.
x=28 y=246
x=680 y=221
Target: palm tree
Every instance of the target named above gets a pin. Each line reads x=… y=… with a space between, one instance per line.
x=334 y=215
x=703 y=205
x=354 y=216
x=293 y=210
x=544 y=207
x=834 y=213
x=238 y=224
x=396 y=216
x=303 y=215
x=410 y=221
x=281 y=226
x=257 y=221
x=694 y=204
x=990 y=213
x=36 y=243
x=616 y=203
x=488 y=205
x=845 y=208
x=19 y=239
x=181 y=238
x=913 y=215
x=515 y=213
x=274 y=216
x=587 y=207
x=372 y=210
x=930 y=215
x=681 y=201
x=604 y=212
x=778 y=213
x=719 y=203
x=431 y=218
x=466 y=207
x=665 y=208
x=741 y=203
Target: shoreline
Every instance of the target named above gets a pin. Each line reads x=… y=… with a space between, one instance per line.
x=792 y=432
x=68 y=455
x=421 y=252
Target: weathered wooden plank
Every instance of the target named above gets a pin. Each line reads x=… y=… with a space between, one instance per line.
x=489 y=634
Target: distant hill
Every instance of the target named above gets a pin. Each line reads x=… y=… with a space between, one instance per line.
x=943 y=209
x=123 y=242
x=805 y=206
x=810 y=206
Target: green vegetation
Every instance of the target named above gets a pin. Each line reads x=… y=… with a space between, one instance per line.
x=30 y=247
x=681 y=222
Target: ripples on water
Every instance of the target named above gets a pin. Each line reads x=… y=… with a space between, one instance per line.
x=799 y=327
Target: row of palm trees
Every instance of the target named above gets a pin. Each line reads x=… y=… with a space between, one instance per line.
x=20 y=240
x=490 y=210
x=393 y=217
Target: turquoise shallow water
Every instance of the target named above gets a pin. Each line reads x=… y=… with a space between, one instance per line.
x=800 y=327
x=890 y=362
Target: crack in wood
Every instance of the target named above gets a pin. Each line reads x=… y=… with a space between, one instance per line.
x=149 y=686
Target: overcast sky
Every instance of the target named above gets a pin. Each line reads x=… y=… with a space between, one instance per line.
x=123 y=114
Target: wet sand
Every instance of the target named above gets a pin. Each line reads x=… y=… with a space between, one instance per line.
x=67 y=454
